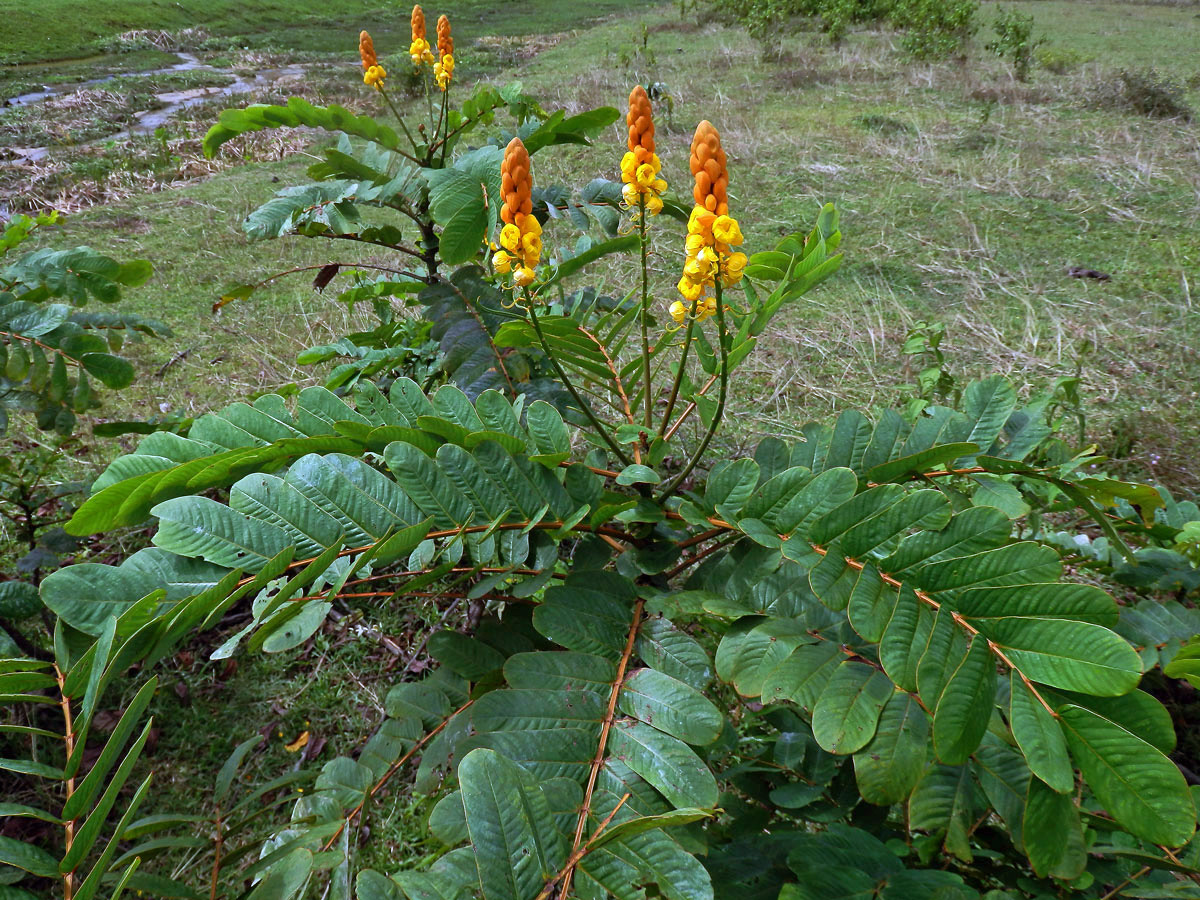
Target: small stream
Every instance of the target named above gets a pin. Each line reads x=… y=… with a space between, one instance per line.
x=172 y=102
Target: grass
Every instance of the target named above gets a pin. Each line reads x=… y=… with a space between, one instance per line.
x=66 y=29
x=965 y=198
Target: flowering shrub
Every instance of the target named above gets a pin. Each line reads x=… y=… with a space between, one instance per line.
x=828 y=669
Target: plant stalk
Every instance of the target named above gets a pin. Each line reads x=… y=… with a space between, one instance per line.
x=687 y=345
x=720 y=411
x=562 y=376
x=403 y=127
x=645 y=246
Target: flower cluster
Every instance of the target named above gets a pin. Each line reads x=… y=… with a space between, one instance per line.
x=373 y=72
x=521 y=237
x=443 y=69
x=640 y=167
x=419 y=48
x=712 y=233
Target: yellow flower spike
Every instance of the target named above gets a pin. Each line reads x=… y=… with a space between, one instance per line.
x=735 y=267
x=696 y=269
x=727 y=231
x=709 y=169
x=690 y=290
x=531 y=244
x=443 y=69
x=516 y=211
x=366 y=51
x=640 y=166
x=701 y=222
x=510 y=238
x=374 y=77
x=419 y=50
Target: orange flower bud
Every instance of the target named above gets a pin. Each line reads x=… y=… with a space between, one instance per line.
x=516 y=183
x=641 y=124
x=366 y=50
x=709 y=168
x=445 y=42
x=418 y=23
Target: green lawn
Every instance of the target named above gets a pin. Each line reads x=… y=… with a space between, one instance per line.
x=67 y=29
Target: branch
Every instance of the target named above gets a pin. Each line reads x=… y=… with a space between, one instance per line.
x=69 y=742
x=472 y=529
x=577 y=850
x=20 y=337
x=579 y=853
x=958 y=618
x=392 y=770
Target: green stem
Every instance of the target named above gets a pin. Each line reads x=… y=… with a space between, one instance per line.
x=687 y=344
x=562 y=376
x=399 y=118
x=716 y=420
x=645 y=310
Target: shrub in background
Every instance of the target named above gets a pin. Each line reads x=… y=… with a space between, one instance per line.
x=1014 y=41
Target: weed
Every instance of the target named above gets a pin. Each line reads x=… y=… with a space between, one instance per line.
x=1146 y=92
x=1059 y=60
x=1014 y=41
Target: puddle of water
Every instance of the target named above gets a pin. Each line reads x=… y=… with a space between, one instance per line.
x=173 y=101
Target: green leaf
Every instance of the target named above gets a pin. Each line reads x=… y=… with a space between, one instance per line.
x=28 y=858
x=1053 y=834
x=297 y=113
x=1080 y=602
x=642 y=824
x=802 y=676
x=965 y=706
x=588 y=615
x=923 y=461
x=665 y=647
x=231 y=765
x=848 y=710
x=513 y=834
x=456 y=196
x=463 y=655
x=198 y=526
x=287 y=877
x=945 y=803
x=18 y=600
x=904 y=639
x=671 y=706
x=87 y=790
x=563 y=670
x=889 y=767
x=666 y=763
x=1040 y=738
x=993 y=490
x=1077 y=656
x=1138 y=713
x=1140 y=788
x=112 y=371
